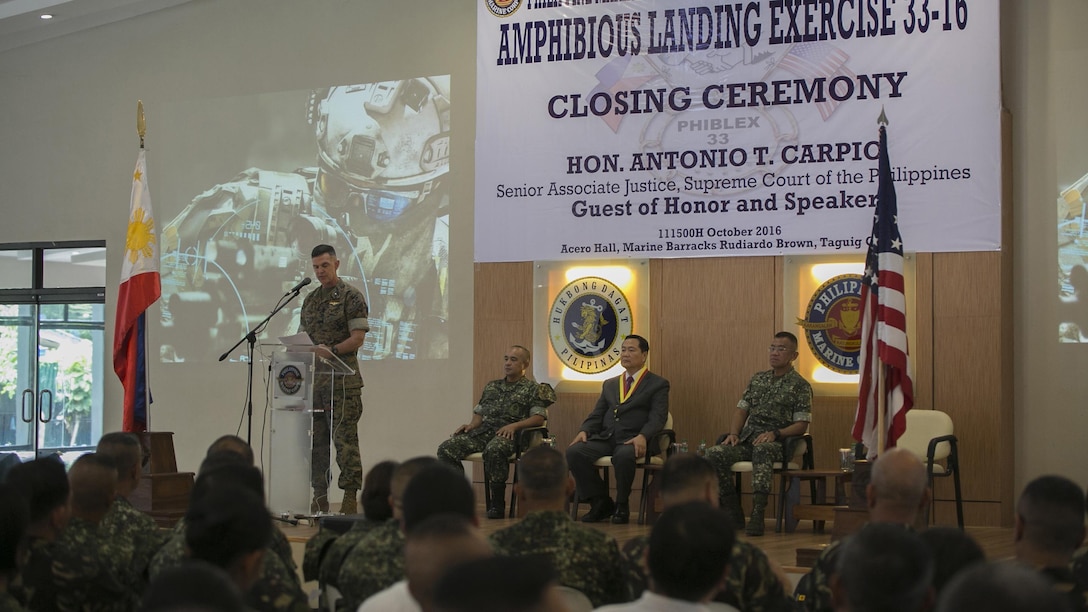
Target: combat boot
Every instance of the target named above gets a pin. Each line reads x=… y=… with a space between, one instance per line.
x=320 y=502
x=732 y=508
x=755 y=523
x=347 y=506
x=498 y=501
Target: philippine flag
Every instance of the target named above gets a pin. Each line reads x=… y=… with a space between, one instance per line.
x=139 y=289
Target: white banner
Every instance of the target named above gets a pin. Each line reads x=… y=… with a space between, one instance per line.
x=678 y=128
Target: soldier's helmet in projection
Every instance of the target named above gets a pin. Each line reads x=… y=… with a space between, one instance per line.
x=383 y=148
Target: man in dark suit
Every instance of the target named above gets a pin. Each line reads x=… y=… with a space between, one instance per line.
x=632 y=408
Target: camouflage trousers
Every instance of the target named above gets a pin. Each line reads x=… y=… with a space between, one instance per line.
x=496 y=450
x=762 y=457
x=347 y=408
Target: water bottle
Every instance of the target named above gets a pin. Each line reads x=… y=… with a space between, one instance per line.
x=683 y=446
x=702 y=448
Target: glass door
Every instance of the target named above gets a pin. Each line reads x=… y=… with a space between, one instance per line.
x=52 y=337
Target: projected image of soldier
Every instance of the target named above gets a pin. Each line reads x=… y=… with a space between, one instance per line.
x=378 y=194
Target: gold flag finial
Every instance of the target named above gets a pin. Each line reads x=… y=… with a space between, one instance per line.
x=141 y=124
x=882 y=119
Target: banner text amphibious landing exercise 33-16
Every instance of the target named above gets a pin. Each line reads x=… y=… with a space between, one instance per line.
x=678 y=128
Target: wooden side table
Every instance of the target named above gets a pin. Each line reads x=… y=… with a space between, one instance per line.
x=820 y=510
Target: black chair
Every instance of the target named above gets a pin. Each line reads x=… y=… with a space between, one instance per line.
x=793 y=448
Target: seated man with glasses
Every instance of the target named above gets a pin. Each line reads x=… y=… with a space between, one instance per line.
x=777 y=404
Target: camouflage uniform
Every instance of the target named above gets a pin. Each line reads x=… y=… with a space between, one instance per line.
x=375 y=563
x=501 y=403
x=329 y=315
x=8 y=603
x=123 y=523
x=32 y=587
x=277 y=588
x=1079 y=565
x=87 y=572
x=813 y=592
x=772 y=403
x=751 y=584
x=1066 y=582
x=584 y=558
x=329 y=570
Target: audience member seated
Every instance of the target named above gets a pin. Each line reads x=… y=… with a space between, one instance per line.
x=86 y=566
x=584 y=558
x=234 y=444
x=898 y=492
x=1049 y=528
x=435 y=490
x=377 y=561
x=753 y=584
x=884 y=567
x=631 y=410
x=123 y=523
x=230 y=529
x=506 y=406
x=43 y=484
x=14 y=519
x=190 y=587
x=1001 y=587
x=277 y=588
x=510 y=584
x=377 y=502
x=953 y=551
x=688 y=558
x=433 y=546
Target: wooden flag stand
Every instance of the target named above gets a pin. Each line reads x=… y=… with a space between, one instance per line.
x=163 y=491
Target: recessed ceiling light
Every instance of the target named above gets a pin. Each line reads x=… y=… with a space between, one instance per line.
x=46 y=16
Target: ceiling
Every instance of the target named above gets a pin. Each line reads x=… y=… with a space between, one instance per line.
x=21 y=24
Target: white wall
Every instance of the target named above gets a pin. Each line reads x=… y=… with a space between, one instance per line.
x=1044 y=56
x=67 y=128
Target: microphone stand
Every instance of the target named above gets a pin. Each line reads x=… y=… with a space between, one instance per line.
x=251 y=338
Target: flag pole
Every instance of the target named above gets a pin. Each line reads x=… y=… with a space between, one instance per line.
x=141 y=129
x=881 y=406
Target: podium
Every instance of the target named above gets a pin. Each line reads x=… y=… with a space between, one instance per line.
x=163 y=491
x=296 y=371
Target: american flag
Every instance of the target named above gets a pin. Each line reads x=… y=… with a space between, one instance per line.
x=818 y=60
x=883 y=321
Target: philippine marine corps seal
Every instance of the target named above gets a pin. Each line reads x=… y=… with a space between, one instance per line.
x=290 y=380
x=832 y=323
x=502 y=8
x=588 y=321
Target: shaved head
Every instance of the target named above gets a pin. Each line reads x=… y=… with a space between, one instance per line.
x=899 y=478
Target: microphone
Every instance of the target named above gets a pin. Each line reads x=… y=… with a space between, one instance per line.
x=302 y=283
x=285 y=519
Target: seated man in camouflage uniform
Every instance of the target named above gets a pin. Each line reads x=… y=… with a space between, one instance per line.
x=884 y=567
x=434 y=489
x=1048 y=529
x=376 y=499
x=123 y=523
x=277 y=588
x=43 y=485
x=777 y=404
x=753 y=583
x=506 y=406
x=87 y=568
x=689 y=557
x=584 y=558
x=359 y=565
x=898 y=493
